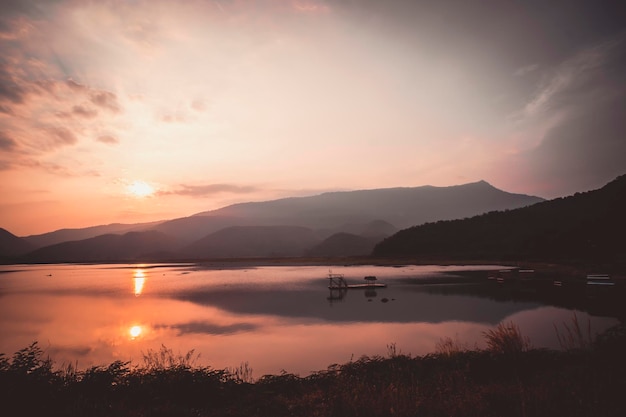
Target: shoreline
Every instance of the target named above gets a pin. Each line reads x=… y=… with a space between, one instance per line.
x=560 y=268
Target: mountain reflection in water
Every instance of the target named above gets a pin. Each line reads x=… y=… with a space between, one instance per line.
x=274 y=318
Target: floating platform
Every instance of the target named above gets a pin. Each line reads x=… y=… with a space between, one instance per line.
x=349 y=286
x=337 y=282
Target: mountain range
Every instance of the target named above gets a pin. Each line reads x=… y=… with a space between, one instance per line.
x=330 y=224
x=586 y=227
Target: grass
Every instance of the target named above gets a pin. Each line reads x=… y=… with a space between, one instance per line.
x=573 y=337
x=509 y=378
x=507 y=339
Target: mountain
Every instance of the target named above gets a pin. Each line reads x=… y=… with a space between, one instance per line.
x=378 y=229
x=131 y=246
x=373 y=229
x=11 y=245
x=352 y=221
x=253 y=241
x=329 y=213
x=67 y=235
x=355 y=239
x=190 y=229
x=343 y=244
x=588 y=226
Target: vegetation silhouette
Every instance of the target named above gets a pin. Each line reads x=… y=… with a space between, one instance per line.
x=584 y=228
x=508 y=378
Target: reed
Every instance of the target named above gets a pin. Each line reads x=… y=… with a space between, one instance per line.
x=573 y=337
x=506 y=338
x=165 y=358
x=448 y=346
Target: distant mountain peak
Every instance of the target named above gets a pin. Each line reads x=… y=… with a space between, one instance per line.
x=481 y=183
x=583 y=227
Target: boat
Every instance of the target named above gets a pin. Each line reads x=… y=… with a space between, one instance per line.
x=600 y=279
x=338 y=282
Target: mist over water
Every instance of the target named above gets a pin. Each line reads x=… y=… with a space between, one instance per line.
x=274 y=318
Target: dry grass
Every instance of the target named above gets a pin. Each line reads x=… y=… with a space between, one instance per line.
x=448 y=346
x=455 y=382
x=573 y=337
x=506 y=338
x=165 y=358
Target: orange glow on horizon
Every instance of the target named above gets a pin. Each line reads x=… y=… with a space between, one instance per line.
x=140 y=189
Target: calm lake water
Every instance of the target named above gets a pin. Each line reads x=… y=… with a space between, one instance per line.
x=274 y=318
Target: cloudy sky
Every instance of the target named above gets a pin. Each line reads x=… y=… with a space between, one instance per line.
x=141 y=110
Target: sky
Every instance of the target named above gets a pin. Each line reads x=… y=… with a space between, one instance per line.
x=126 y=111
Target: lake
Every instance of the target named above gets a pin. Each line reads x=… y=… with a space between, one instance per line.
x=275 y=318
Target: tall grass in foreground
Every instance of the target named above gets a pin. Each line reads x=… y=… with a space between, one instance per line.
x=509 y=378
x=506 y=338
x=572 y=337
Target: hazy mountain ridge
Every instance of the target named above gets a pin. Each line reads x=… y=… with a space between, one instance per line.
x=402 y=207
x=11 y=245
x=344 y=244
x=584 y=226
x=330 y=212
x=360 y=218
x=68 y=235
x=253 y=241
x=106 y=248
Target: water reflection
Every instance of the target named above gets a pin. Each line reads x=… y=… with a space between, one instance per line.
x=339 y=294
x=370 y=294
x=273 y=318
x=336 y=294
x=139 y=279
x=135 y=331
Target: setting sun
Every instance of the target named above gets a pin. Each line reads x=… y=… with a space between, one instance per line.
x=139 y=189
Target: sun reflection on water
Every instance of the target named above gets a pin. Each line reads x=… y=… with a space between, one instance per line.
x=139 y=278
x=135 y=331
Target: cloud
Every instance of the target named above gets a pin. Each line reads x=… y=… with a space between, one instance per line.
x=6 y=143
x=60 y=136
x=173 y=118
x=76 y=86
x=11 y=92
x=209 y=189
x=85 y=112
x=571 y=74
x=105 y=99
x=108 y=139
x=69 y=351
x=198 y=105
x=204 y=327
x=49 y=167
x=522 y=71
x=46 y=115
x=583 y=103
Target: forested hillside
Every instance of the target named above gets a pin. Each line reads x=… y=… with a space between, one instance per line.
x=587 y=226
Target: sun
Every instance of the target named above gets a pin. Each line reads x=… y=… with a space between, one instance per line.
x=139 y=189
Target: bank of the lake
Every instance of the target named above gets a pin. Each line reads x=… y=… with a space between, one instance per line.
x=586 y=378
